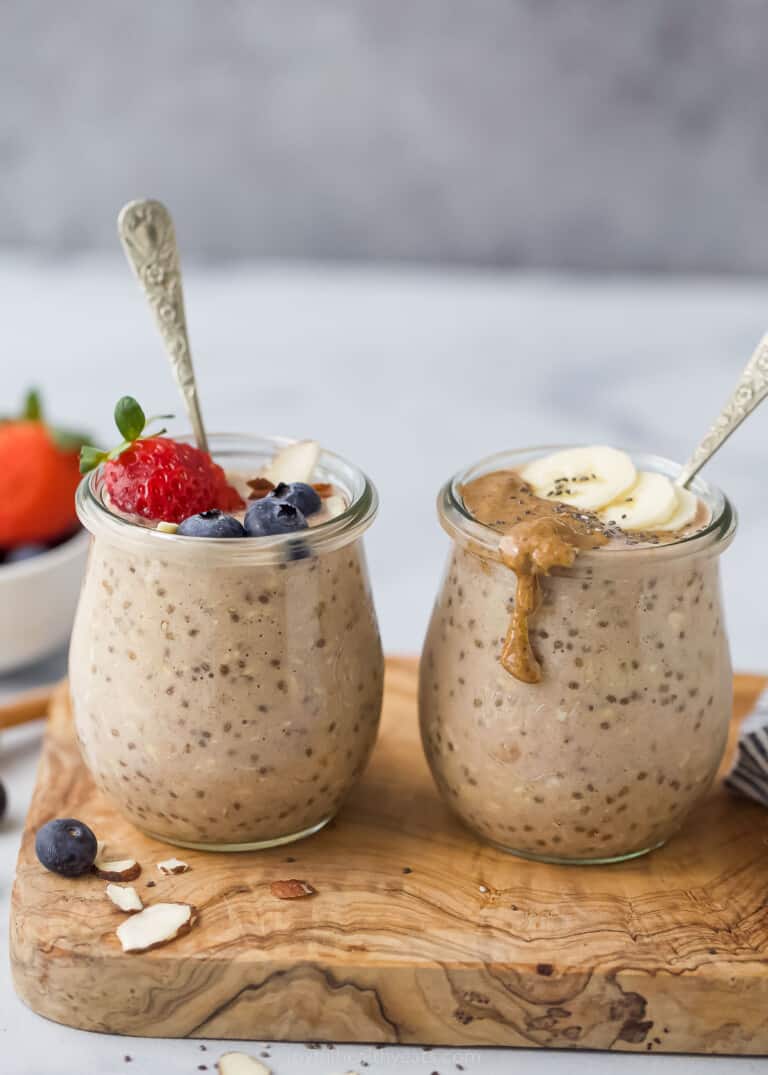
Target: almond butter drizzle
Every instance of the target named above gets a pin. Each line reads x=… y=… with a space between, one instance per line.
x=538 y=535
x=532 y=549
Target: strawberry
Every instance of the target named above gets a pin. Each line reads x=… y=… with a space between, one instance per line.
x=163 y=479
x=156 y=477
x=38 y=478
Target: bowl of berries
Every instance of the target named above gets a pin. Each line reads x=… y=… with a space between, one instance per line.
x=42 y=546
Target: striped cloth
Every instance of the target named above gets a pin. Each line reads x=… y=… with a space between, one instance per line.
x=749 y=775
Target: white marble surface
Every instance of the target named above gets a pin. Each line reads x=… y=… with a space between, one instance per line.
x=412 y=375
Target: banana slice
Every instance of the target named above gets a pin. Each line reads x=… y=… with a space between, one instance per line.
x=686 y=506
x=294 y=463
x=585 y=478
x=650 y=502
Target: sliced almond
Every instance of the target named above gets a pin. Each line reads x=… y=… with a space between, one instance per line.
x=334 y=505
x=155 y=925
x=241 y=1064
x=172 y=866
x=292 y=889
x=294 y=463
x=167 y=528
x=117 y=869
x=323 y=489
x=260 y=487
x=127 y=899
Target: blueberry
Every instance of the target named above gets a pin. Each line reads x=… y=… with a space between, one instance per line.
x=3 y=800
x=66 y=846
x=301 y=495
x=211 y=524
x=272 y=516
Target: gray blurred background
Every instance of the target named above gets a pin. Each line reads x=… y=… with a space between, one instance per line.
x=568 y=134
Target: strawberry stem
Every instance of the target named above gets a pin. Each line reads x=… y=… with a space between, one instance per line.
x=90 y=458
x=33 y=407
x=129 y=418
x=131 y=423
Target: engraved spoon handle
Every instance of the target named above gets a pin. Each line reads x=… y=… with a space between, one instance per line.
x=748 y=394
x=149 y=240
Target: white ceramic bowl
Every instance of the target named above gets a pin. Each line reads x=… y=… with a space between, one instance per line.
x=38 y=598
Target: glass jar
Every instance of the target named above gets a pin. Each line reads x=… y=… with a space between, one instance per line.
x=606 y=756
x=227 y=693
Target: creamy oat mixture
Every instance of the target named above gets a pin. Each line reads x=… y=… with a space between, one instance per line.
x=226 y=705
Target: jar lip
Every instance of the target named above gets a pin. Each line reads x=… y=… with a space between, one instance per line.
x=335 y=533
x=457 y=521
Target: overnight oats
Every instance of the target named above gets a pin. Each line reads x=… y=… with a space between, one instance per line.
x=575 y=685
x=225 y=667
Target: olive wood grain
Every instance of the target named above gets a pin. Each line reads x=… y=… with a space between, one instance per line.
x=418 y=933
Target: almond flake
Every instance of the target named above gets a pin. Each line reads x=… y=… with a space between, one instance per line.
x=323 y=489
x=240 y=1064
x=117 y=869
x=334 y=505
x=294 y=463
x=126 y=898
x=260 y=487
x=155 y=925
x=172 y=866
x=291 y=889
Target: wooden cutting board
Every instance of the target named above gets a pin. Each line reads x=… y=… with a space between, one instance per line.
x=418 y=932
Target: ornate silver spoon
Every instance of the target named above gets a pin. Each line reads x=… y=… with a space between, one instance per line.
x=748 y=394
x=149 y=240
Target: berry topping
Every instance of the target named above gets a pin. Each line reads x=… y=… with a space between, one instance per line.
x=38 y=478
x=211 y=524
x=66 y=846
x=301 y=495
x=271 y=516
x=158 y=478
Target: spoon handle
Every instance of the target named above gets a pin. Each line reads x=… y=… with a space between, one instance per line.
x=149 y=240
x=748 y=394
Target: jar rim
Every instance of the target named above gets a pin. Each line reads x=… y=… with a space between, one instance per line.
x=360 y=491
x=458 y=521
